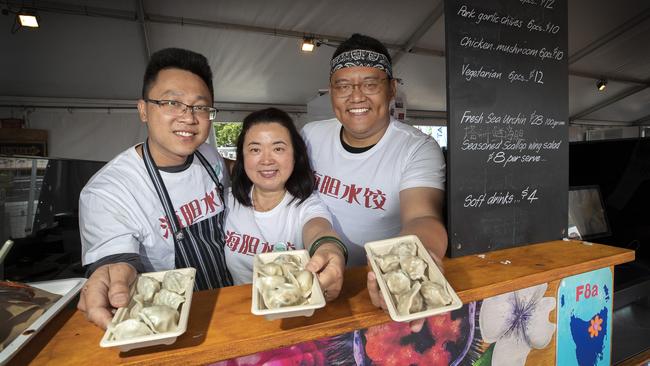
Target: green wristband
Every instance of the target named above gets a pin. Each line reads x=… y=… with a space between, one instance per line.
x=329 y=239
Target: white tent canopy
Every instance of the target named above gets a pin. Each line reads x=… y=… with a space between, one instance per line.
x=92 y=54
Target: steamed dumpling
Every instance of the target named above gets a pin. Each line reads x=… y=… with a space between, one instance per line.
x=304 y=279
x=287 y=258
x=271 y=269
x=404 y=249
x=160 y=318
x=147 y=287
x=413 y=266
x=266 y=282
x=176 y=282
x=409 y=302
x=289 y=263
x=285 y=294
x=388 y=262
x=169 y=298
x=130 y=328
x=434 y=294
x=134 y=313
x=397 y=282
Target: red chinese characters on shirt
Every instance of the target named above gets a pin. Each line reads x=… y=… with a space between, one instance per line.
x=367 y=197
x=248 y=244
x=192 y=211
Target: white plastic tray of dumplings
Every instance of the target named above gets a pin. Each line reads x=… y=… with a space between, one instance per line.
x=157 y=338
x=314 y=301
x=431 y=273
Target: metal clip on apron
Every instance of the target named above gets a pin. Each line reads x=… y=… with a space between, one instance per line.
x=200 y=245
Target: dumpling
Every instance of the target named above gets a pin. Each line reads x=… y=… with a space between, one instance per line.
x=288 y=262
x=304 y=279
x=288 y=258
x=397 y=282
x=404 y=249
x=166 y=297
x=135 y=309
x=413 y=266
x=160 y=318
x=409 y=302
x=388 y=262
x=285 y=294
x=270 y=269
x=130 y=328
x=176 y=282
x=434 y=294
x=265 y=282
x=147 y=287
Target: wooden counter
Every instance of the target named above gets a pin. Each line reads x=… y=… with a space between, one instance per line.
x=221 y=325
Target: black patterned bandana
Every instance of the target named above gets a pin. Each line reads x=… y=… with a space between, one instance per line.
x=362 y=58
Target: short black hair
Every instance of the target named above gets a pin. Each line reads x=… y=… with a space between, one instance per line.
x=301 y=182
x=362 y=42
x=177 y=58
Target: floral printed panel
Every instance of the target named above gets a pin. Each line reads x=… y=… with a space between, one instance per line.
x=501 y=330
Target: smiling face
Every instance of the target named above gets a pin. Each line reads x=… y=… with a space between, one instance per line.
x=268 y=156
x=172 y=139
x=365 y=118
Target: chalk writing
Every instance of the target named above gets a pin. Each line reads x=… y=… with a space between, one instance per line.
x=546 y=4
x=543 y=53
x=503 y=159
x=540 y=120
x=501 y=198
x=470 y=42
x=537 y=76
x=471 y=73
x=493 y=17
x=508 y=119
x=549 y=27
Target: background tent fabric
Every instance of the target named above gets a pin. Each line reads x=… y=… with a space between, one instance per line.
x=91 y=54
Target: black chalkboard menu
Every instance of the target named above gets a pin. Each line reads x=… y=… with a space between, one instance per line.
x=507 y=102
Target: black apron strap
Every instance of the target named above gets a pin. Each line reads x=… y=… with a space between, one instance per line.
x=211 y=172
x=201 y=245
x=157 y=181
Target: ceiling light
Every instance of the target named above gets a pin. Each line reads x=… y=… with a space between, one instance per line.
x=601 y=85
x=28 y=18
x=307 y=45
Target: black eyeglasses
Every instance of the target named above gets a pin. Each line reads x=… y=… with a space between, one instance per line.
x=177 y=109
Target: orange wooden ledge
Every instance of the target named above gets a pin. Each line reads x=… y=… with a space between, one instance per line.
x=221 y=325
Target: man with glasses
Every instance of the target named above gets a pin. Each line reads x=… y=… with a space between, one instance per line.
x=158 y=205
x=379 y=177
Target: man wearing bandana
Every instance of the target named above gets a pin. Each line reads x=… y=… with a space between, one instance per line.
x=379 y=177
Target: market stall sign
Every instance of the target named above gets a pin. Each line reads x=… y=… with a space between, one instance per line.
x=507 y=97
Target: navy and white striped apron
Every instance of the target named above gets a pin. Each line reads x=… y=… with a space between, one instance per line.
x=200 y=245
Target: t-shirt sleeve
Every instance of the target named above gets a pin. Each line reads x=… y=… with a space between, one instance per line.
x=105 y=226
x=312 y=208
x=425 y=167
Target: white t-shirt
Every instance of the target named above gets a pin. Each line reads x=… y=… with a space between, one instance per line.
x=249 y=232
x=120 y=212
x=362 y=190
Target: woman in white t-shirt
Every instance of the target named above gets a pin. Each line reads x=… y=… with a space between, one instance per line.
x=272 y=204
